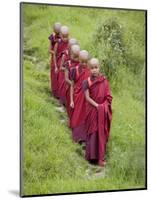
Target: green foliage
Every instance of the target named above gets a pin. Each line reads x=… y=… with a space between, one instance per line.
x=52 y=162
x=118 y=49
x=109 y=47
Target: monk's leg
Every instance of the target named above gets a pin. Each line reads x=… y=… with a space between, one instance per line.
x=79 y=133
x=92 y=147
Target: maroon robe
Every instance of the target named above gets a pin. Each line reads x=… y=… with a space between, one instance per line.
x=77 y=120
x=53 y=39
x=61 y=50
x=98 y=120
x=69 y=65
x=61 y=79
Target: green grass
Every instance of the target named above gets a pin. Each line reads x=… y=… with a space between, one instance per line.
x=52 y=162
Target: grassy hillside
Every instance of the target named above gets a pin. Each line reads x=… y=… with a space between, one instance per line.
x=52 y=162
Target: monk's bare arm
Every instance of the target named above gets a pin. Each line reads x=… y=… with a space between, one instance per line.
x=50 y=47
x=71 y=94
x=50 y=51
x=62 y=62
x=54 y=57
x=89 y=99
x=67 y=77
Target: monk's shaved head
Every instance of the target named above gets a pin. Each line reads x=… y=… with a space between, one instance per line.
x=57 y=27
x=64 y=30
x=93 y=62
x=75 y=49
x=94 y=66
x=72 y=41
x=83 y=55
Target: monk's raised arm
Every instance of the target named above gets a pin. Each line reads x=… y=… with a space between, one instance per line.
x=89 y=99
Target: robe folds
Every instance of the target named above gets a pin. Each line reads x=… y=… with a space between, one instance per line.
x=77 y=120
x=62 y=50
x=53 y=39
x=98 y=120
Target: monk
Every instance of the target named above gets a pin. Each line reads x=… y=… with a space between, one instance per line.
x=60 y=48
x=77 y=98
x=54 y=37
x=61 y=80
x=98 y=113
x=69 y=64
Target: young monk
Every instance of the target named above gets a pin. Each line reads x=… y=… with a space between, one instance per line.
x=77 y=99
x=62 y=83
x=69 y=64
x=98 y=113
x=59 y=49
x=54 y=37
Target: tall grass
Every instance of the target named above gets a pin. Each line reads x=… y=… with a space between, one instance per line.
x=52 y=162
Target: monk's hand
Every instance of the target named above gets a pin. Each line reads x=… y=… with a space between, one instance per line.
x=51 y=52
x=62 y=68
x=97 y=105
x=72 y=104
x=56 y=69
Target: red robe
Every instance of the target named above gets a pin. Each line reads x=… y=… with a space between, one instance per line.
x=77 y=120
x=61 y=79
x=98 y=120
x=53 y=39
x=69 y=65
x=61 y=50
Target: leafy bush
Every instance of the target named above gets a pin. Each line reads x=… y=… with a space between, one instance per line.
x=109 y=45
x=118 y=50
